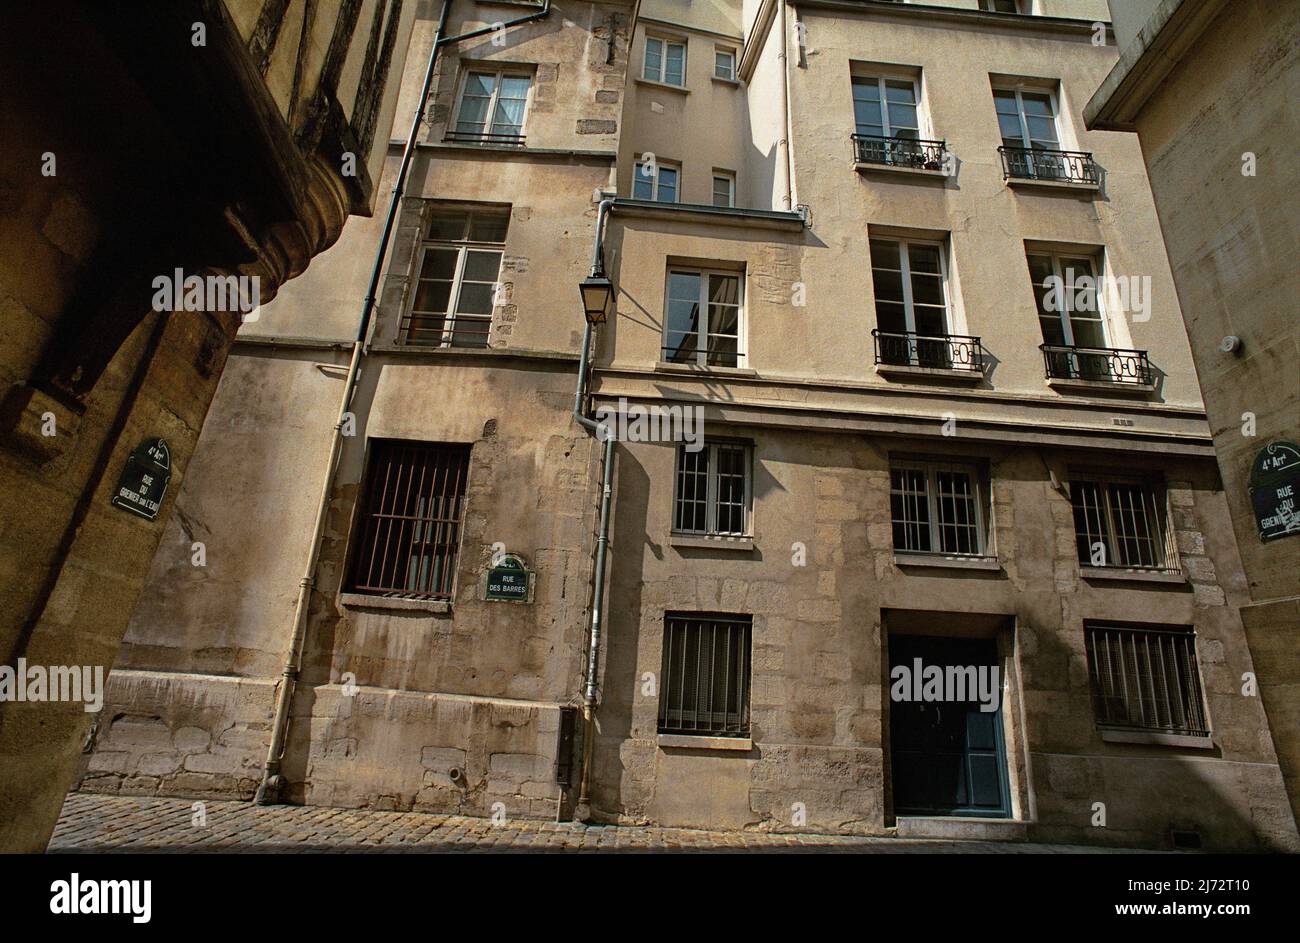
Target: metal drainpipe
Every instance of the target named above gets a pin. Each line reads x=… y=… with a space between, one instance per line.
x=268 y=791
x=786 y=175
x=601 y=431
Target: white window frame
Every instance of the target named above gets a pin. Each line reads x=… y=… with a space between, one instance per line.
x=880 y=78
x=730 y=178
x=498 y=75
x=909 y=310
x=664 y=42
x=1060 y=262
x=463 y=247
x=654 y=180
x=730 y=52
x=983 y=536
x=702 y=331
x=1019 y=92
x=711 y=447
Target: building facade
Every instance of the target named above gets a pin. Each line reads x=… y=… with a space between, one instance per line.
x=900 y=391
x=204 y=142
x=1209 y=89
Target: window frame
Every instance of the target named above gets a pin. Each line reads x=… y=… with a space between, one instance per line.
x=882 y=79
x=931 y=468
x=1104 y=718
x=1162 y=541
x=1022 y=7
x=1059 y=266
x=664 y=43
x=702 y=336
x=710 y=451
x=717 y=722
x=730 y=52
x=659 y=166
x=463 y=247
x=905 y=273
x=489 y=121
x=1026 y=142
x=730 y=177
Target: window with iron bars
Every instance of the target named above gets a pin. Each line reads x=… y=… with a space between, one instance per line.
x=1122 y=524
x=411 y=519
x=1146 y=678
x=704 y=686
x=937 y=508
x=456 y=277
x=713 y=490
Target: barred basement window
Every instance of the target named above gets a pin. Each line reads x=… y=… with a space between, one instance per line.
x=1122 y=524
x=456 y=279
x=1146 y=679
x=713 y=490
x=705 y=679
x=414 y=505
x=937 y=508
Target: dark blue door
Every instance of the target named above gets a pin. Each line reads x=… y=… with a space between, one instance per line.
x=947 y=757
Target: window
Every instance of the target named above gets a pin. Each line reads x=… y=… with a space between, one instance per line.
x=1146 y=678
x=937 y=508
x=492 y=106
x=713 y=490
x=665 y=61
x=885 y=107
x=724 y=188
x=724 y=63
x=703 y=322
x=410 y=522
x=1121 y=524
x=1007 y=6
x=1073 y=322
x=911 y=295
x=653 y=180
x=1026 y=119
x=460 y=260
x=705 y=679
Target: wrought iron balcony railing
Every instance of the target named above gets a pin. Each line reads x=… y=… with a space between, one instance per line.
x=898 y=152
x=1025 y=163
x=939 y=351
x=1100 y=364
x=483 y=137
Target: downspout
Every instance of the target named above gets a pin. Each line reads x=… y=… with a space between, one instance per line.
x=600 y=431
x=784 y=143
x=268 y=792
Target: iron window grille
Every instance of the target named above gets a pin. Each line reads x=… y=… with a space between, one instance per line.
x=706 y=675
x=411 y=520
x=713 y=490
x=456 y=279
x=937 y=508
x=665 y=61
x=703 y=324
x=1146 y=679
x=947 y=351
x=1035 y=163
x=899 y=151
x=1122 y=524
x=656 y=181
x=1098 y=364
x=492 y=108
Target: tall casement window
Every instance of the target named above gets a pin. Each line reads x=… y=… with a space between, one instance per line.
x=1146 y=678
x=702 y=325
x=713 y=493
x=885 y=108
x=665 y=61
x=1027 y=119
x=656 y=180
x=937 y=508
x=410 y=520
x=1071 y=316
x=492 y=106
x=1121 y=523
x=911 y=293
x=724 y=188
x=704 y=689
x=456 y=278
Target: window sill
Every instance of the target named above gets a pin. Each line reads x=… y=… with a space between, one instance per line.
x=1151 y=737
x=911 y=372
x=1131 y=574
x=734 y=83
x=689 y=368
x=367 y=601
x=677 y=741
x=702 y=542
x=1081 y=386
x=867 y=167
x=947 y=562
x=1032 y=183
x=652 y=83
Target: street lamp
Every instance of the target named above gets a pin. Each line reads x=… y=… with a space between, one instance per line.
x=597 y=297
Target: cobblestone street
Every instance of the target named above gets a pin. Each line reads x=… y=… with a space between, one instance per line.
x=100 y=823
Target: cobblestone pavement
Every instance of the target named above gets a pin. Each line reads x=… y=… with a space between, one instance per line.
x=102 y=823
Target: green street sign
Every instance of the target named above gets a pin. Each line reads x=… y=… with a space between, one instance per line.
x=1275 y=490
x=509 y=581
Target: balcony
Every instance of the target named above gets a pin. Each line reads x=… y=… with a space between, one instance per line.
x=1097 y=367
x=874 y=151
x=1056 y=168
x=944 y=355
x=483 y=137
